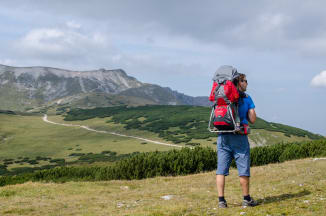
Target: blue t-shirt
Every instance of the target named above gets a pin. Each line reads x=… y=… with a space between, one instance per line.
x=245 y=104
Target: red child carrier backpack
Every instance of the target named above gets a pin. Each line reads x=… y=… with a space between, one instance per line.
x=224 y=116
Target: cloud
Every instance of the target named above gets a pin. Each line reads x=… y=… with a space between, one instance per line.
x=60 y=46
x=45 y=40
x=61 y=43
x=319 y=80
x=261 y=25
x=73 y=24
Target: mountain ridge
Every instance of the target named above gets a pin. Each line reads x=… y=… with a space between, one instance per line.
x=36 y=86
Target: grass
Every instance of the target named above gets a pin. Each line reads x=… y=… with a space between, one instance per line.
x=103 y=124
x=260 y=137
x=291 y=188
x=29 y=136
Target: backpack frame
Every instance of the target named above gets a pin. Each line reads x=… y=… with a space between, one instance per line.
x=222 y=75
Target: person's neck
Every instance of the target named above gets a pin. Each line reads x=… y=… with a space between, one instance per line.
x=242 y=94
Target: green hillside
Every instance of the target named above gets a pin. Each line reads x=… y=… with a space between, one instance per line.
x=174 y=123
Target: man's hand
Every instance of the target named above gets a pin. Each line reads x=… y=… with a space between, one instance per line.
x=252 y=116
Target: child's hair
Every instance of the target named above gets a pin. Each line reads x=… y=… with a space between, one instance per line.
x=240 y=77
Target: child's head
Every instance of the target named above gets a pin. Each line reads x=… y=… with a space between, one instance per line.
x=241 y=82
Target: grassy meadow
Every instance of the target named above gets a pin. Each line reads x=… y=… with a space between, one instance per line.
x=291 y=188
x=30 y=136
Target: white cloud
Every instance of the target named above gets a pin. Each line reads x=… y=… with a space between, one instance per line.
x=269 y=23
x=319 y=80
x=60 y=42
x=47 y=40
x=73 y=24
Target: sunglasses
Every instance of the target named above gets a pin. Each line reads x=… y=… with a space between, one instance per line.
x=244 y=81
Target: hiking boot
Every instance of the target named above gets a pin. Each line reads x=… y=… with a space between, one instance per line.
x=222 y=204
x=251 y=203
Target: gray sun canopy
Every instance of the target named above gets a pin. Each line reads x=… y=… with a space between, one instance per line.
x=225 y=72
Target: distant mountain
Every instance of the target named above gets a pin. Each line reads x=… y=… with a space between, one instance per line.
x=23 y=88
x=165 y=96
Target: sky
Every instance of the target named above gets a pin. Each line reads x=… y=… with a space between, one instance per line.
x=280 y=45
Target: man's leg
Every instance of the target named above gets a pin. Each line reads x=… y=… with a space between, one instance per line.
x=244 y=182
x=224 y=158
x=241 y=148
x=247 y=200
x=220 y=183
x=242 y=159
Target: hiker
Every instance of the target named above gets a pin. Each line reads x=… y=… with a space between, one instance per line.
x=235 y=145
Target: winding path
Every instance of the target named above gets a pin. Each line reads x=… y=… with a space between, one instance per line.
x=45 y=119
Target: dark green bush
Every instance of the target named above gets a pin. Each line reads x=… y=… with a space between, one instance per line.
x=41 y=158
x=19 y=170
x=108 y=152
x=59 y=161
x=32 y=162
x=8 y=162
x=3 y=170
x=77 y=154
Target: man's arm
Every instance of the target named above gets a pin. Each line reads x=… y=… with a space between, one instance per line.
x=252 y=116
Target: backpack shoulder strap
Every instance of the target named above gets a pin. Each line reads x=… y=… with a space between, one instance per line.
x=217 y=88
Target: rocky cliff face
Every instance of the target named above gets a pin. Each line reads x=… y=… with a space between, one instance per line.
x=22 y=87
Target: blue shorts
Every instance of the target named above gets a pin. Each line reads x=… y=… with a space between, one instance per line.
x=231 y=146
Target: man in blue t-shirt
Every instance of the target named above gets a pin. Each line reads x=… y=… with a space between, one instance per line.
x=236 y=146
